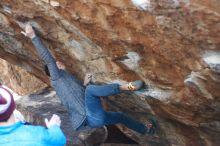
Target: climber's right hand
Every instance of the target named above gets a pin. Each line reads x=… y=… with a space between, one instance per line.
x=29 y=31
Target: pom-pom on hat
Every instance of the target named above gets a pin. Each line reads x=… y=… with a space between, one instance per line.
x=7 y=104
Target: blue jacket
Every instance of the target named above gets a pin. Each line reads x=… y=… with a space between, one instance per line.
x=28 y=135
x=70 y=90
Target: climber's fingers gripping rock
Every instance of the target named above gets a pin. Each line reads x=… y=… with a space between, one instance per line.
x=29 y=31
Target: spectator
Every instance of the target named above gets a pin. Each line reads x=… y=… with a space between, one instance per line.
x=17 y=133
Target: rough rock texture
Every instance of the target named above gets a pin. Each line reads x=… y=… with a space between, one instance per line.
x=164 y=42
x=18 y=79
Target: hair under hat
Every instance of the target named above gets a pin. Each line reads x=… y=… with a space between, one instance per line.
x=7 y=104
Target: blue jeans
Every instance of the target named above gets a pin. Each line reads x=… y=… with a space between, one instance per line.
x=97 y=117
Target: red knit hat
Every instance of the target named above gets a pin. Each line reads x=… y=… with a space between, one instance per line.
x=7 y=104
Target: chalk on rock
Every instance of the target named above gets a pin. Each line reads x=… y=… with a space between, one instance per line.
x=54 y=3
x=143 y=4
x=213 y=60
x=46 y=1
x=132 y=60
x=77 y=49
x=7 y=9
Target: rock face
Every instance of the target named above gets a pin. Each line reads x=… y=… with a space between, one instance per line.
x=173 y=45
x=18 y=79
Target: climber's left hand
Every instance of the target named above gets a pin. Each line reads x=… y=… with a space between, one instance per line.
x=29 y=31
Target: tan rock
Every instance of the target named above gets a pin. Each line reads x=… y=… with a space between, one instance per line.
x=18 y=79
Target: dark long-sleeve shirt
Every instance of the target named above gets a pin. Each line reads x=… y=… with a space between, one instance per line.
x=70 y=91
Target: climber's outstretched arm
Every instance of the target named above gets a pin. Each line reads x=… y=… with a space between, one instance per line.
x=43 y=52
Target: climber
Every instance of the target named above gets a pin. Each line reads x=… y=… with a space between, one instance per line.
x=17 y=133
x=83 y=104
